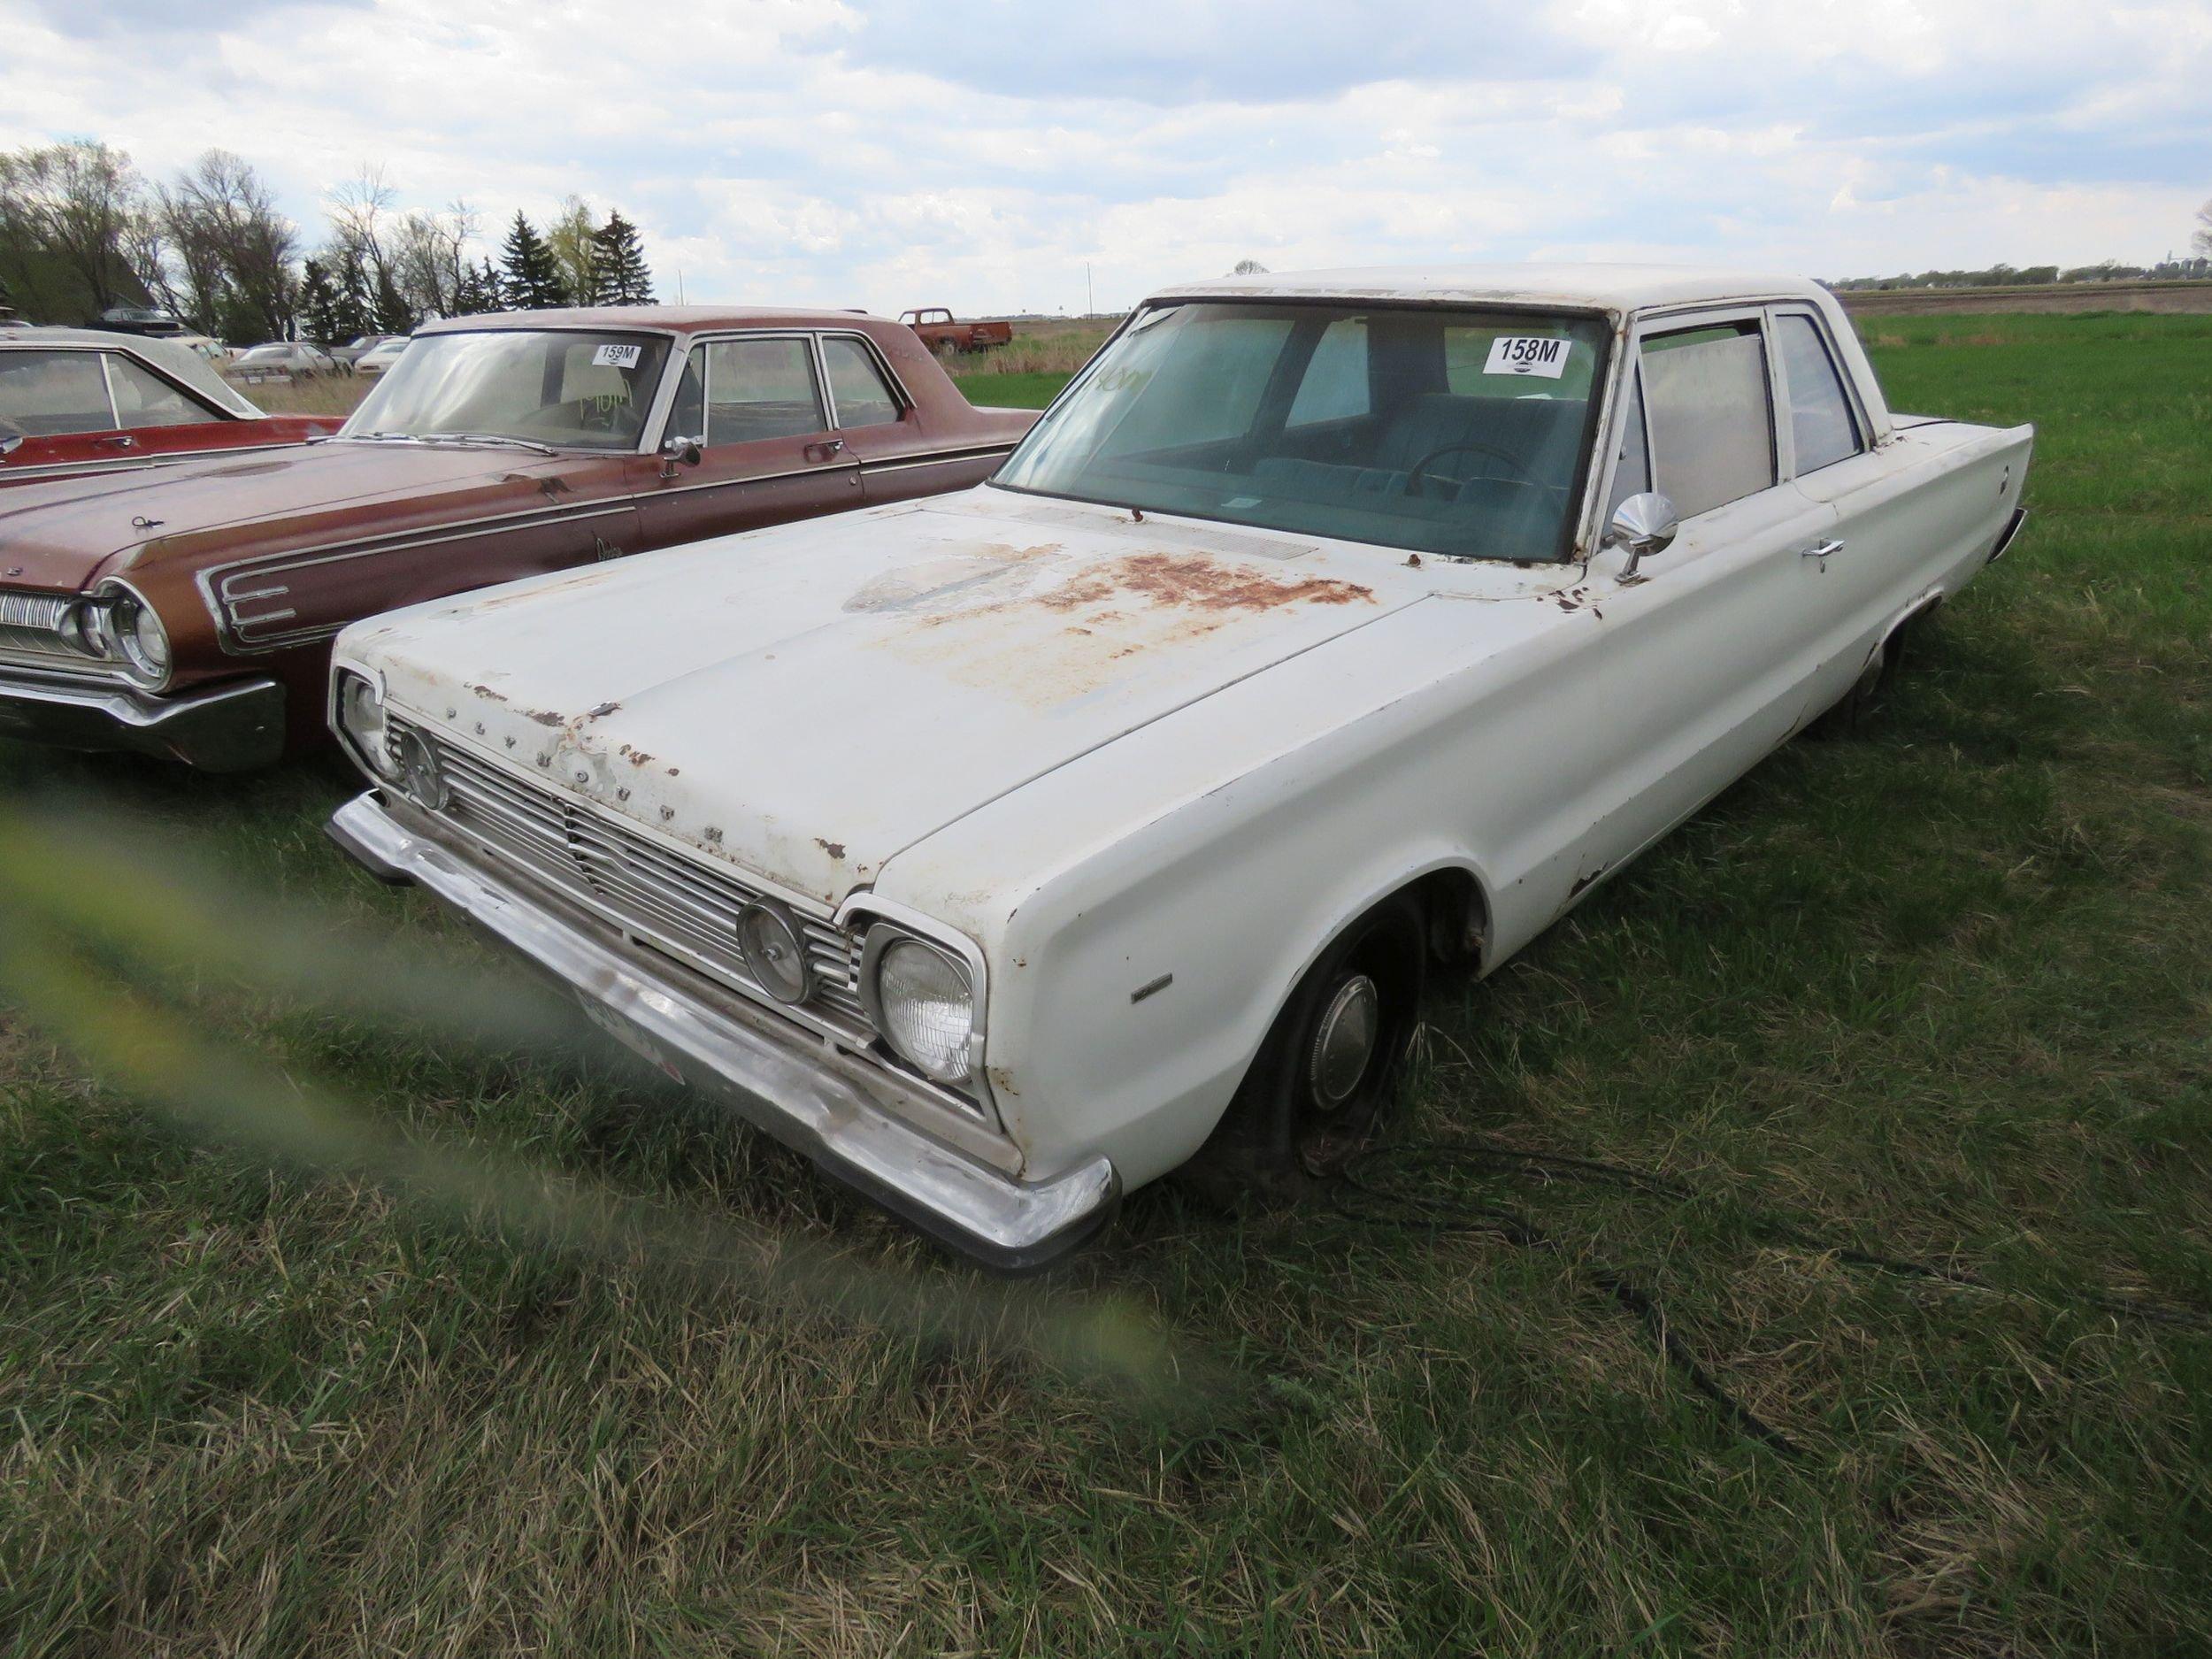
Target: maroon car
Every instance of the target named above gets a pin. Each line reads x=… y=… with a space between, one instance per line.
x=77 y=401
x=189 y=612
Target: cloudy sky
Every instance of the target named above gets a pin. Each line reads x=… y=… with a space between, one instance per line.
x=979 y=153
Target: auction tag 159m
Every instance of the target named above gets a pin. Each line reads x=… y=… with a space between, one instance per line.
x=617 y=356
x=1527 y=354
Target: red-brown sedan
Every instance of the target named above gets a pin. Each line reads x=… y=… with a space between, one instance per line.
x=189 y=612
x=76 y=402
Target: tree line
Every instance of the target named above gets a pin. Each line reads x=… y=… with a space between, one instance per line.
x=81 y=231
x=2037 y=275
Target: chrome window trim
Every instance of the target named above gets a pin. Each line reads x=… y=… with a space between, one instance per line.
x=1862 y=426
x=900 y=395
x=1677 y=319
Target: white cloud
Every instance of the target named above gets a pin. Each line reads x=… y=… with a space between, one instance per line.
x=790 y=150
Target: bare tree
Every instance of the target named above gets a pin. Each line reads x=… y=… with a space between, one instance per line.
x=74 y=202
x=431 y=262
x=1249 y=268
x=2202 y=241
x=237 y=253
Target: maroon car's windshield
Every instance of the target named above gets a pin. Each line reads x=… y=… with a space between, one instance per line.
x=572 y=389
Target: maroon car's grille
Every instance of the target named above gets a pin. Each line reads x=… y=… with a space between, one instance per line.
x=683 y=906
x=31 y=624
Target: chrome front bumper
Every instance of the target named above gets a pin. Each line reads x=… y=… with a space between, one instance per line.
x=235 y=727
x=775 y=1075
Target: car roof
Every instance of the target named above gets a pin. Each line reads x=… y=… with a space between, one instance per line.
x=1610 y=287
x=676 y=319
x=178 y=362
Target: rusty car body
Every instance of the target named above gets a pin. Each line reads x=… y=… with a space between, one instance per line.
x=190 y=613
x=1325 y=626
x=78 y=401
x=937 y=329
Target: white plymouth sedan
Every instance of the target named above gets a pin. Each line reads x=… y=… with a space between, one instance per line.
x=1009 y=850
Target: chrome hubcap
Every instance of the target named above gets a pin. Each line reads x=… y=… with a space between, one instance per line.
x=1344 y=1042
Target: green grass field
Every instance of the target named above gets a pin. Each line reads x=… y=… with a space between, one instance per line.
x=353 y=1299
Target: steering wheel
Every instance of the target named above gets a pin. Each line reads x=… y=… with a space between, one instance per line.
x=1414 y=478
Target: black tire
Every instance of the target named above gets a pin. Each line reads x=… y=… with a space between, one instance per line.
x=1291 y=1127
x=1870 y=690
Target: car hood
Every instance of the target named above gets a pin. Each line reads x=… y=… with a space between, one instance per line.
x=808 y=701
x=57 y=535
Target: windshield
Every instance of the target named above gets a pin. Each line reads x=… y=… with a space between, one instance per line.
x=1455 y=431
x=267 y=354
x=577 y=389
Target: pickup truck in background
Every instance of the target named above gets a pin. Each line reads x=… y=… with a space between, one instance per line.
x=943 y=336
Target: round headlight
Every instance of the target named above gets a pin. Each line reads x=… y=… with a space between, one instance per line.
x=418 y=766
x=929 y=1008
x=133 y=625
x=85 y=625
x=361 y=716
x=769 y=938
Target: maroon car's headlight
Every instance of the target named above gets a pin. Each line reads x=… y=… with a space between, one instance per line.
x=116 y=625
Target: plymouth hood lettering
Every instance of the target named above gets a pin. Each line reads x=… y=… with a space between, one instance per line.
x=810 y=703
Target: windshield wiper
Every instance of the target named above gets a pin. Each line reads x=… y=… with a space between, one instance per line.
x=488 y=437
x=367 y=437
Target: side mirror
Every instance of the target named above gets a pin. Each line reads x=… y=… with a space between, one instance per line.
x=678 y=452
x=1644 y=525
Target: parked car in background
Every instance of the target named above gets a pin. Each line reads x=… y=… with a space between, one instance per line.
x=360 y=346
x=1008 y=853
x=280 y=362
x=381 y=356
x=942 y=334
x=190 y=614
x=205 y=346
x=78 y=403
x=138 y=319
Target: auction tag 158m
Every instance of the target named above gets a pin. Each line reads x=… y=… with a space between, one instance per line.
x=1527 y=354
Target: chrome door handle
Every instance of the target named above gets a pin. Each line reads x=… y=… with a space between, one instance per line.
x=826 y=449
x=1822 y=549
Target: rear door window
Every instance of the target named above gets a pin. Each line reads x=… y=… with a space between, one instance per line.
x=142 y=399
x=863 y=398
x=1822 y=430
x=1709 y=415
x=1335 y=387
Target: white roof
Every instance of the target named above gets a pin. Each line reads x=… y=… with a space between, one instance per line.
x=164 y=352
x=1613 y=287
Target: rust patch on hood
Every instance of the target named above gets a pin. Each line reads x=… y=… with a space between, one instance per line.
x=1199 y=584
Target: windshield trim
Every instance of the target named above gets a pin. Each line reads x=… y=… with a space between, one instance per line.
x=1596 y=419
x=663 y=390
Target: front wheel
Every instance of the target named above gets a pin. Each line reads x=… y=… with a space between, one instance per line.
x=1331 y=1067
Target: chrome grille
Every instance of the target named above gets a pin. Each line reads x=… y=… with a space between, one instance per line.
x=31 y=623
x=683 y=906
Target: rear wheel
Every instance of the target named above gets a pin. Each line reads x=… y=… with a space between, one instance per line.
x=1331 y=1067
x=1870 y=690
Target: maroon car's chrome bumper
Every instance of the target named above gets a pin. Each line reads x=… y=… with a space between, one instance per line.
x=234 y=727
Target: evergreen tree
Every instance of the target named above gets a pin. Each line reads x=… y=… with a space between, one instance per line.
x=318 y=305
x=620 y=272
x=389 y=312
x=481 y=290
x=532 y=277
x=350 y=314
